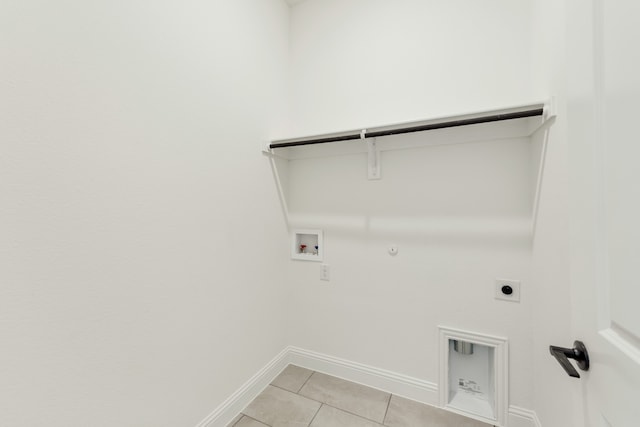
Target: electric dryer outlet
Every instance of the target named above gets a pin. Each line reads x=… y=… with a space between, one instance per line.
x=507 y=290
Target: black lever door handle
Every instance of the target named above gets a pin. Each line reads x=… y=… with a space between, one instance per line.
x=577 y=353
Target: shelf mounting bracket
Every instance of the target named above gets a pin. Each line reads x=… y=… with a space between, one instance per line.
x=373 y=155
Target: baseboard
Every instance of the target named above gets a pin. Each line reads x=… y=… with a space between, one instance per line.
x=392 y=382
x=536 y=420
x=230 y=408
x=520 y=417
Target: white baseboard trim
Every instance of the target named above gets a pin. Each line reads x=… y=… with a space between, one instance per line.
x=230 y=408
x=391 y=382
x=536 y=420
x=520 y=417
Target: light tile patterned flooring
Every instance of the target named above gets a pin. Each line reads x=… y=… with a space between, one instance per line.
x=299 y=397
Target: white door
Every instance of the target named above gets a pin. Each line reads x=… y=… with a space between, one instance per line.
x=603 y=118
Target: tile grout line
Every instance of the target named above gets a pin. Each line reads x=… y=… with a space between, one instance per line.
x=305 y=397
x=334 y=407
x=314 y=417
x=277 y=386
x=341 y=409
x=384 y=419
x=251 y=418
x=351 y=413
x=305 y=383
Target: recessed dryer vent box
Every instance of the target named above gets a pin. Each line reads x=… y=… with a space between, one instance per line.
x=473 y=375
x=307 y=245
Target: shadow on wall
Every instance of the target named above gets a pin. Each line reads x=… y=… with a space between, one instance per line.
x=441 y=184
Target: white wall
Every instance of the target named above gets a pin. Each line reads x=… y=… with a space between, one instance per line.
x=550 y=267
x=371 y=62
x=460 y=217
x=135 y=202
x=143 y=248
x=359 y=63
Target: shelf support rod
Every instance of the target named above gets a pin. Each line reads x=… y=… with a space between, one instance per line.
x=495 y=116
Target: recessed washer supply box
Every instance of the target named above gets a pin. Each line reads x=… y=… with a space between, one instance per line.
x=474 y=375
x=307 y=245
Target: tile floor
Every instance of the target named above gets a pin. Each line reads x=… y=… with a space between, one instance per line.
x=299 y=397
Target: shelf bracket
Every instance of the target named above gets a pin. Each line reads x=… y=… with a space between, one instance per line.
x=373 y=171
x=550 y=109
